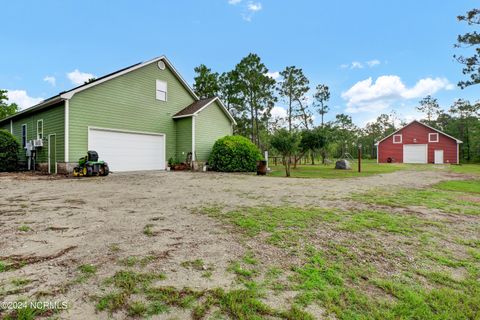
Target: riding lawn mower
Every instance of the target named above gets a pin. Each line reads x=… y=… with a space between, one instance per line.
x=90 y=166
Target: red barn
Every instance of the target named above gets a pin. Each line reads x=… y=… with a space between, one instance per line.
x=418 y=143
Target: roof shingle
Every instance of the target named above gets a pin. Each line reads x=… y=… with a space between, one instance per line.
x=194 y=107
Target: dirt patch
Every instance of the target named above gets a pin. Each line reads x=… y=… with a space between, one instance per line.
x=101 y=221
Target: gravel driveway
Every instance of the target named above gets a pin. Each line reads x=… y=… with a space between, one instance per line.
x=102 y=220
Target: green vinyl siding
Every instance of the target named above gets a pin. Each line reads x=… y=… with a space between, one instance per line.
x=128 y=102
x=53 y=123
x=5 y=126
x=210 y=124
x=184 y=138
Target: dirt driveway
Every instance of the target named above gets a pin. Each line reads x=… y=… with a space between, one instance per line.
x=49 y=227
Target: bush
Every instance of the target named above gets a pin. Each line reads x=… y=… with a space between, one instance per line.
x=8 y=151
x=234 y=154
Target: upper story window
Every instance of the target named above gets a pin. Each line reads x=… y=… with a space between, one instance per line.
x=397 y=138
x=161 y=90
x=24 y=135
x=40 y=129
x=433 y=137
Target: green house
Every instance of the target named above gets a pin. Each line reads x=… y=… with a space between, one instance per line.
x=136 y=118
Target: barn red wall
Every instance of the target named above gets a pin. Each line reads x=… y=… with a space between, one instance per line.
x=417 y=131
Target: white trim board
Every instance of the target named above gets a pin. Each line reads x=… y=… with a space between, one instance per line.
x=224 y=109
x=67 y=131
x=193 y=138
x=391 y=134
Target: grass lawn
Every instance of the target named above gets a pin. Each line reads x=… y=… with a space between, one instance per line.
x=456 y=196
x=369 y=167
x=366 y=264
x=473 y=169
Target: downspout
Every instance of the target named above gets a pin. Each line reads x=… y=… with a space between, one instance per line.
x=67 y=129
x=193 y=138
x=11 y=126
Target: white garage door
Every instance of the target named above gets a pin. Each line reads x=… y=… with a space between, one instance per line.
x=414 y=153
x=128 y=151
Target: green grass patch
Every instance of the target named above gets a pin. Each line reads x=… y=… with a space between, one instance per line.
x=24 y=228
x=473 y=169
x=86 y=272
x=3 y=266
x=20 y=282
x=360 y=277
x=447 y=201
x=369 y=167
x=471 y=186
x=147 y=230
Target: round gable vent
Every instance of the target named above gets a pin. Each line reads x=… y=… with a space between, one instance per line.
x=161 y=65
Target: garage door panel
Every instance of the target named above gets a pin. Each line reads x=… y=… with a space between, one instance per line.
x=414 y=153
x=128 y=151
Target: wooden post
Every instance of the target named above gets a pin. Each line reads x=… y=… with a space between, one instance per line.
x=359 y=158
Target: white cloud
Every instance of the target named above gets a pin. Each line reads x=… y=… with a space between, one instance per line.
x=250 y=10
x=370 y=96
x=22 y=99
x=234 y=2
x=278 y=112
x=373 y=63
x=254 y=6
x=79 y=78
x=274 y=75
x=51 y=80
x=360 y=65
x=356 y=65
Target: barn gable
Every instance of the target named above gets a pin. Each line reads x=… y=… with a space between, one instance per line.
x=418 y=143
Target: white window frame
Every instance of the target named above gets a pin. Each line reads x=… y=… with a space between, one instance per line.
x=433 y=133
x=38 y=136
x=397 y=135
x=24 y=138
x=158 y=89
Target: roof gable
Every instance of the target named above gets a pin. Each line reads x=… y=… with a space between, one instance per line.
x=66 y=95
x=423 y=124
x=197 y=106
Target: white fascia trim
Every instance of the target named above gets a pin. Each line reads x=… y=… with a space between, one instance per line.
x=458 y=141
x=67 y=130
x=44 y=103
x=205 y=106
x=193 y=137
x=69 y=94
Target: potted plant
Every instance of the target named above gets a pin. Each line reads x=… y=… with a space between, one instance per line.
x=171 y=164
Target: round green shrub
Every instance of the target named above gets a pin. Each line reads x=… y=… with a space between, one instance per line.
x=8 y=151
x=234 y=154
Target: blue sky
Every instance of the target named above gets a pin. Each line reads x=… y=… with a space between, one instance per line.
x=376 y=56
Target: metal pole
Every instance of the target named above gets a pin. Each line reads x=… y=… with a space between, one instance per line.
x=360 y=158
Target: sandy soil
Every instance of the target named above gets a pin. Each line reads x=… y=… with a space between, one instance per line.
x=80 y=221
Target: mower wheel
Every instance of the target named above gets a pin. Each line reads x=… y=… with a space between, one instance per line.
x=104 y=170
x=89 y=171
x=76 y=172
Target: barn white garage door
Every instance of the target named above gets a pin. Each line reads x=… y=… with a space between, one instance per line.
x=414 y=153
x=128 y=151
